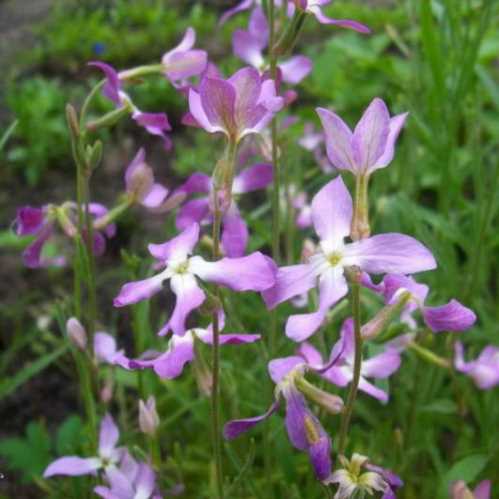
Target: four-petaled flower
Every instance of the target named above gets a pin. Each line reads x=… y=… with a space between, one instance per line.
x=383 y=253
x=108 y=454
x=200 y=210
x=254 y=272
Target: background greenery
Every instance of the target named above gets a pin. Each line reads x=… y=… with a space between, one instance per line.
x=437 y=59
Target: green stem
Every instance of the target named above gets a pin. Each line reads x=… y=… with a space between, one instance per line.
x=352 y=394
x=360 y=219
x=155 y=451
x=113 y=214
x=429 y=356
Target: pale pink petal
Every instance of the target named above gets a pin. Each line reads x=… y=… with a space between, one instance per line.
x=177 y=248
x=218 y=99
x=155 y=196
x=395 y=126
x=372 y=390
x=180 y=352
x=197 y=112
x=73 y=466
x=108 y=437
x=244 y=5
x=310 y=354
x=338 y=140
x=133 y=292
x=295 y=69
x=104 y=347
x=280 y=368
x=382 y=365
x=258 y=26
x=343 y=23
x=247 y=48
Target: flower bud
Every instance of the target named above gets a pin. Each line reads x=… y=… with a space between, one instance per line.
x=148 y=417
x=106 y=394
x=331 y=403
x=76 y=333
x=72 y=120
x=459 y=490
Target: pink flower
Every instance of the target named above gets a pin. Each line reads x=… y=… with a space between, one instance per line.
x=484 y=370
x=332 y=216
x=254 y=272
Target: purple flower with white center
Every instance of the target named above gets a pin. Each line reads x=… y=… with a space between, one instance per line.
x=314 y=7
x=154 y=123
x=353 y=478
x=249 y=46
x=304 y=430
x=449 y=317
x=140 y=184
x=380 y=366
x=371 y=145
x=254 y=272
x=132 y=480
x=459 y=490
x=241 y=105
x=181 y=350
x=183 y=61
x=484 y=370
x=108 y=454
x=200 y=210
x=382 y=253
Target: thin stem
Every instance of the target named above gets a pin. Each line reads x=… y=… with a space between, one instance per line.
x=352 y=394
x=360 y=219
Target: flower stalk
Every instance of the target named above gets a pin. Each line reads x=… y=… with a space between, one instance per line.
x=360 y=221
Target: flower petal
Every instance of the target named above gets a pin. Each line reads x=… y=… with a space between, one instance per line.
x=450 y=317
x=112 y=87
x=244 y=5
x=197 y=182
x=390 y=253
x=254 y=272
x=73 y=466
x=155 y=196
x=247 y=48
x=342 y=23
x=192 y=212
x=29 y=220
x=177 y=248
x=234 y=234
x=395 y=126
x=382 y=365
x=482 y=490
x=234 y=428
x=280 y=368
x=108 y=437
x=338 y=138
x=104 y=347
x=253 y=178
x=320 y=457
x=218 y=99
x=171 y=364
x=295 y=69
x=371 y=134
x=197 y=114
x=133 y=292
x=372 y=390
x=290 y=281
x=332 y=212
x=310 y=354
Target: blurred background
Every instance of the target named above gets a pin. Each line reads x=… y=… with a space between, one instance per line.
x=437 y=59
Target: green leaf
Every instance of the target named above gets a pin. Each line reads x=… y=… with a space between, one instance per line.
x=443 y=406
x=466 y=469
x=69 y=436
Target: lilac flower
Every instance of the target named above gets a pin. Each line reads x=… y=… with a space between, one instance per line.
x=312 y=141
x=379 y=366
x=371 y=145
x=140 y=185
x=181 y=350
x=199 y=210
x=358 y=475
x=106 y=351
x=249 y=46
x=484 y=370
x=183 y=61
x=304 y=430
x=332 y=216
x=131 y=480
x=246 y=5
x=254 y=272
x=449 y=317
x=108 y=454
x=154 y=123
x=459 y=490
x=314 y=7
x=304 y=216
x=241 y=105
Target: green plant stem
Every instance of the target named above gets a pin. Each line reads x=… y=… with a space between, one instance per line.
x=360 y=219
x=155 y=451
x=352 y=394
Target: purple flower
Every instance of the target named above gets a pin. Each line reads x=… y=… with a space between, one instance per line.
x=383 y=253
x=312 y=141
x=371 y=145
x=140 y=185
x=484 y=370
x=131 y=480
x=314 y=7
x=108 y=454
x=181 y=351
x=241 y=105
x=459 y=490
x=449 y=317
x=154 y=123
x=249 y=46
x=304 y=216
x=148 y=416
x=304 y=430
x=200 y=210
x=183 y=62
x=379 y=366
x=254 y=272
x=246 y=5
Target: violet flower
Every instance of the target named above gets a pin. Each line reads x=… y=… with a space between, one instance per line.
x=108 y=454
x=449 y=317
x=382 y=253
x=241 y=105
x=379 y=366
x=304 y=216
x=154 y=123
x=305 y=432
x=246 y=5
x=181 y=349
x=200 y=210
x=371 y=145
x=484 y=370
x=254 y=272
x=140 y=185
x=132 y=480
x=249 y=46
x=459 y=490
x=312 y=141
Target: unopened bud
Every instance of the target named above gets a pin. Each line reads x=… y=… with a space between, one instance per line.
x=331 y=403
x=106 y=394
x=140 y=182
x=148 y=417
x=76 y=333
x=72 y=120
x=459 y=490
x=94 y=154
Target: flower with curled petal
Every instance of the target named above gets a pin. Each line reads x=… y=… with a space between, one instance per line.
x=383 y=253
x=484 y=370
x=254 y=272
